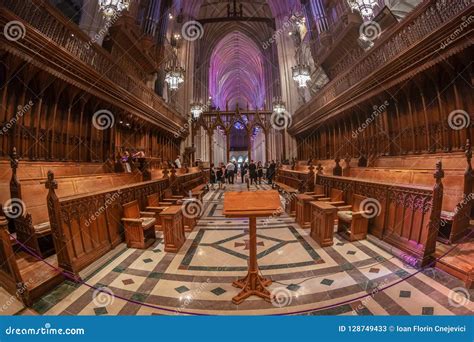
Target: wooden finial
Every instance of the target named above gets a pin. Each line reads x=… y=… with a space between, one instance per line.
x=51 y=183
x=468 y=152
x=14 y=159
x=439 y=172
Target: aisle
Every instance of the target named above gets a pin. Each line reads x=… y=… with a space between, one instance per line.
x=306 y=277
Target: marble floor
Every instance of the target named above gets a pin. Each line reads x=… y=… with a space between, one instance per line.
x=346 y=279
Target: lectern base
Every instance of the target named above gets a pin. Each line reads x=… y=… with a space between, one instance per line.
x=252 y=284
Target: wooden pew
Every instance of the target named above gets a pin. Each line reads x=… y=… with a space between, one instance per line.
x=88 y=225
x=299 y=177
x=408 y=216
x=23 y=275
x=457 y=194
x=33 y=227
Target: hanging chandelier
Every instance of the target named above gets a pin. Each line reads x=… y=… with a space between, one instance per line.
x=174 y=75
x=112 y=8
x=196 y=110
x=279 y=106
x=365 y=7
x=301 y=74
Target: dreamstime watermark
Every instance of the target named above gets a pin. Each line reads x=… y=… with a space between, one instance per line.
x=99 y=36
x=192 y=208
x=185 y=128
x=281 y=121
x=459 y=297
x=377 y=110
x=459 y=119
x=459 y=207
x=108 y=202
x=281 y=297
x=189 y=297
x=21 y=289
x=466 y=21
x=370 y=31
x=14 y=208
x=21 y=111
x=45 y=330
x=287 y=25
x=192 y=30
x=14 y=30
x=376 y=289
x=102 y=297
x=103 y=119
x=370 y=208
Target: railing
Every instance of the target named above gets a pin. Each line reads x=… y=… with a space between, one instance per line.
x=46 y=19
x=431 y=16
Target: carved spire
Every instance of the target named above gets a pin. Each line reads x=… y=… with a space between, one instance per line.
x=14 y=160
x=468 y=153
x=439 y=172
x=51 y=183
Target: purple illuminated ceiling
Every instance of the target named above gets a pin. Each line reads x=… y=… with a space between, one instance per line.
x=236 y=72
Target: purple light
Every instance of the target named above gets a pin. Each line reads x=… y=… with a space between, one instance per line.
x=237 y=72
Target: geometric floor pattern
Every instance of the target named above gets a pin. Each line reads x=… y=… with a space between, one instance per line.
x=345 y=279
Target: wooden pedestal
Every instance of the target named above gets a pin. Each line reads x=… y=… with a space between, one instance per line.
x=322 y=228
x=173 y=228
x=252 y=205
x=303 y=210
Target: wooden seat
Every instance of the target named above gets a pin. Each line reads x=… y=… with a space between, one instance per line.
x=33 y=227
x=353 y=223
x=335 y=198
x=153 y=205
x=139 y=226
x=318 y=192
x=24 y=275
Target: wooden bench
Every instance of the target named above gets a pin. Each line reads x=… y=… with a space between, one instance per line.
x=33 y=227
x=353 y=222
x=458 y=186
x=23 y=275
x=408 y=217
x=139 y=226
x=80 y=240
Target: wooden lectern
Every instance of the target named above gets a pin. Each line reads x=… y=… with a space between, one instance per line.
x=252 y=205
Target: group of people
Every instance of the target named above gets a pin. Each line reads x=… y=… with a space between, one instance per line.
x=226 y=174
x=136 y=156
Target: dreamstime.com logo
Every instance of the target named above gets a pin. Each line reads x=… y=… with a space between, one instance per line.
x=103 y=119
x=459 y=296
x=14 y=30
x=370 y=207
x=192 y=30
x=459 y=119
x=192 y=208
x=14 y=208
x=281 y=121
x=281 y=297
x=102 y=297
x=47 y=329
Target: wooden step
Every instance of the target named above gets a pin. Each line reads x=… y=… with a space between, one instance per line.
x=459 y=262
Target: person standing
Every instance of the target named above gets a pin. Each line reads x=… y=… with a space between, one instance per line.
x=177 y=162
x=230 y=172
x=253 y=172
x=259 y=173
x=212 y=176
x=220 y=175
x=243 y=171
x=271 y=172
